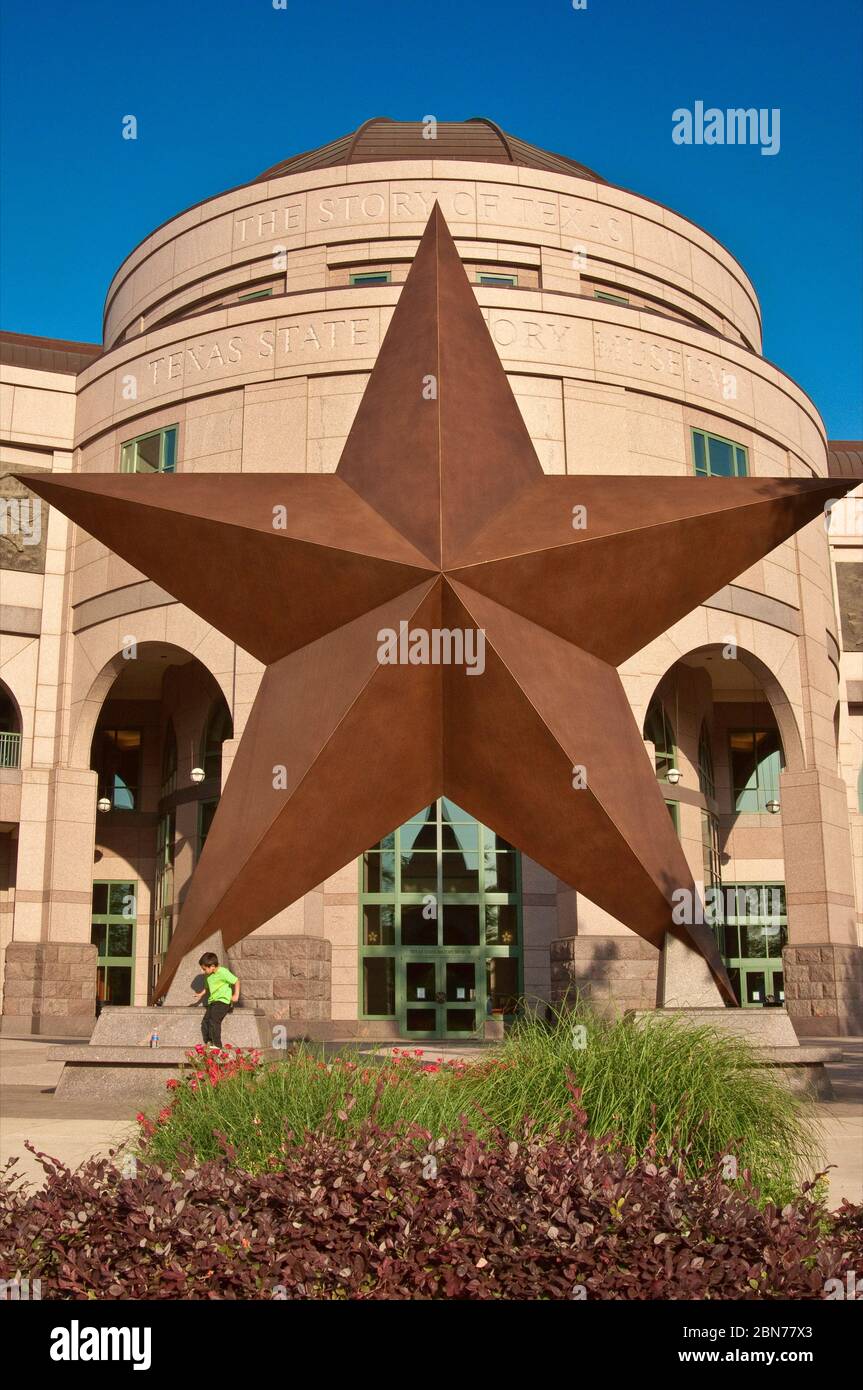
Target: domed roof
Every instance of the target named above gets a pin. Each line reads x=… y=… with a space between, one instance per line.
x=382 y=138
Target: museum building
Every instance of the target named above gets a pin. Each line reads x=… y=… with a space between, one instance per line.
x=239 y=336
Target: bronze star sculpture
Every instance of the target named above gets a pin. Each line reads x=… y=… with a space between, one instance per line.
x=439 y=518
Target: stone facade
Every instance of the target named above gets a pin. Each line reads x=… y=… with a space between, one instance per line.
x=50 y=988
x=611 y=974
x=287 y=977
x=272 y=383
x=824 y=989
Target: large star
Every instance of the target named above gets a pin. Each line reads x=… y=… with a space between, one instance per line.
x=438 y=517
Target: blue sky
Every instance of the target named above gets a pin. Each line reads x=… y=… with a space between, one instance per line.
x=223 y=89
